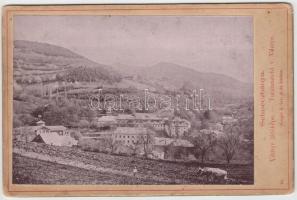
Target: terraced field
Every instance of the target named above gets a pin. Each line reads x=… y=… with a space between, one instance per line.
x=33 y=171
x=26 y=170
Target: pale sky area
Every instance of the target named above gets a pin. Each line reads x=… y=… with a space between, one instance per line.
x=220 y=44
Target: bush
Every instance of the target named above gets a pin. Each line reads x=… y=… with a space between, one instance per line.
x=76 y=135
x=92 y=145
x=17 y=122
x=94 y=125
x=83 y=123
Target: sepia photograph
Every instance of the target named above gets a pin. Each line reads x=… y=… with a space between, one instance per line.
x=133 y=100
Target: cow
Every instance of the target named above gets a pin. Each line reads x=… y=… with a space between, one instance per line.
x=213 y=174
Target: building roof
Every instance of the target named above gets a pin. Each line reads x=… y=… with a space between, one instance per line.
x=162 y=141
x=142 y=116
x=178 y=119
x=52 y=128
x=130 y=130
x=98 y=134
x=227 y=117
x=125 y=116
x=107 y=119
x=33 y=128
x=147 y=116
x=56 y=139
x=55 y=128
x=217 y=133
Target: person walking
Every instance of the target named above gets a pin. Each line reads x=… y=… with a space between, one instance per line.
x=135 y=171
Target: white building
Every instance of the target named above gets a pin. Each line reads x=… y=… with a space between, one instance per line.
x=107 y=121
x=55 y=139
x=53 y=135
x=228 y=119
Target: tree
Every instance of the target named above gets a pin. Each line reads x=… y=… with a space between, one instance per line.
x=134 y=147
x=59 y=77
x=61 y=114
x=169 y=151
x=211 y=116
x=112 y=144
x=17 y=122
x=83 y=123
x=76 y=135
x=146 y=140
x=94 y=125
x=39 y=111
x=203 y=144
x=27 y=119
x=87 y=113
x=230 y=142
x=17 y=88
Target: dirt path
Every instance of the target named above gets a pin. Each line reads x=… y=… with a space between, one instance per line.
x=79 y=164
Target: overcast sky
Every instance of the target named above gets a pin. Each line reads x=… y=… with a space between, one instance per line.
x=204 y=43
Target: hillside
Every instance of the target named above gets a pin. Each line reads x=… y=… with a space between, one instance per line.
x=172 y=76
x=50 y=62
x=126 y=70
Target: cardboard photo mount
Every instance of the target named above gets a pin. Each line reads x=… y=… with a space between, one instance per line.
x=273 y=120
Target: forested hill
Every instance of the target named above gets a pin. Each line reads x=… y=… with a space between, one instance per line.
x=47 y=62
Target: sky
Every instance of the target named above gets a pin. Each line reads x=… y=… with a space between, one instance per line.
x=220 y=44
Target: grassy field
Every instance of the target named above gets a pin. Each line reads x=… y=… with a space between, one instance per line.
x=184 y=171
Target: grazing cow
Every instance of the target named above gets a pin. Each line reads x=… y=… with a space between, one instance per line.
x=213 y=174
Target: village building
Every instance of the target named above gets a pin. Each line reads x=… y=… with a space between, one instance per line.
x=52 y=135
x=53 y=138
x=140 y=120
x=107 y=121
x=42 y=128
x=150 y=119
x=98 y=135
x=129 y=135
x=135 y=136
x=125 y=120
x=177 y=127
x=161 y=145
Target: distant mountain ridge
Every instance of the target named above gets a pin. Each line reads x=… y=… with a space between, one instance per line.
x=175 y=76
x=39 y=62
x=181 y=73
